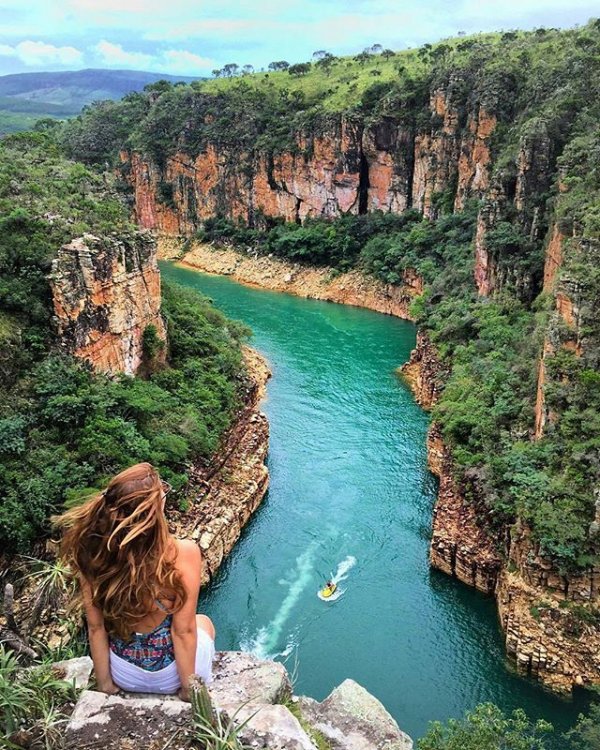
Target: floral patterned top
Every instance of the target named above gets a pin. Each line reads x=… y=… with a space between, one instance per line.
x=150 y=651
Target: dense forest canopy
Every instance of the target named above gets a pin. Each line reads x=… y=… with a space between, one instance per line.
x=64 y=429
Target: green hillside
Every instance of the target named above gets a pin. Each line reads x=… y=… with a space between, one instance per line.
x=27 y=97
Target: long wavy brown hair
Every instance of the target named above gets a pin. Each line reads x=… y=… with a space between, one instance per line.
x=119 y=542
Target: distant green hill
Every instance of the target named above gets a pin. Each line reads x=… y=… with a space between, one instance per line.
x=27 y=97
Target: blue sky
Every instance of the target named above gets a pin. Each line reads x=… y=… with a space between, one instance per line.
x=195 y=36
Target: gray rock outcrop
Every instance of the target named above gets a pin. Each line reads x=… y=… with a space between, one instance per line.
x=246 y=689
x=350 y=718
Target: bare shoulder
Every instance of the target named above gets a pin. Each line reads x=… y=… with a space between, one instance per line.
x=187 y=550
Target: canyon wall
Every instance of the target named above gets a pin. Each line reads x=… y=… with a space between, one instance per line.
x=106 y=292
x=550 y=630
x=346 y=167
x=225 y=494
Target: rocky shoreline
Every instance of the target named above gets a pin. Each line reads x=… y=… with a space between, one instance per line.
x=550 y=630
x=229 y=490
x=350 y=288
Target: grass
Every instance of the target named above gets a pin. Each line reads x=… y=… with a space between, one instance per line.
x=343 y=85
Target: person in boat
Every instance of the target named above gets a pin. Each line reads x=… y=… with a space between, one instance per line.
x=139 y=586
x=329 y=588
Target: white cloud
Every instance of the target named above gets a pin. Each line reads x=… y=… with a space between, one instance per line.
x=182 y=61
x=177 y=61
x=114 y=54
x=39 y=53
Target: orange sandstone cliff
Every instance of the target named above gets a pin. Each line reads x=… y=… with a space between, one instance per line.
x=348 y=166
x=106 y=292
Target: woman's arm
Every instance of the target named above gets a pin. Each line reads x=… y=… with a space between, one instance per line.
x=98 y=638
x=183 y=629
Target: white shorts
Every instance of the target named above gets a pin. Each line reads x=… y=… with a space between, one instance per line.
x=134 y=679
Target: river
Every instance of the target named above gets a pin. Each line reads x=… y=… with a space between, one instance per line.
x=350 y=494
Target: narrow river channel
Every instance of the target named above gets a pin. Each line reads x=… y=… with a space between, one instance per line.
x=351 y=495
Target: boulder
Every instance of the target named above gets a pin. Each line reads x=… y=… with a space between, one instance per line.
x=272 y=727
x=113 y=722
x=77 y=671
x=239 y=678
x=149 y=722
x=350 y=718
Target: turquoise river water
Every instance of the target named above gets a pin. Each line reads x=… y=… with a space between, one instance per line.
x=351 y=496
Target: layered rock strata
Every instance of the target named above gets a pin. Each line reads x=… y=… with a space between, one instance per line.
x=343 y=166
x=229 y=490
x=106 y=292
x=550 y=629
x=351 y=288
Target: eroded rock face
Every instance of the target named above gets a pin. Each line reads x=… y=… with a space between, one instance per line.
x=244 y=688
x=461 y=546
x=106 y=292
x=351 y=288
x=344 y=166
x=350 y=718
x=424 y=372
x=542 y=612
x=550 y=618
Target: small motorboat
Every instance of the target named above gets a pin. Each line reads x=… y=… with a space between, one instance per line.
x=328 y=590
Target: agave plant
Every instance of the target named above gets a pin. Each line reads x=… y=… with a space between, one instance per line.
x=53 y=582
x=31 y=700
x=213 y=728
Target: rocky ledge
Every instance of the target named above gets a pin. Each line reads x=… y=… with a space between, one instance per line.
x=246 y=689
x=229 y=490
x=351 y=288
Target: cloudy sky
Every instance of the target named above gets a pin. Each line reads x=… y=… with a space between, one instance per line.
x=191 y=37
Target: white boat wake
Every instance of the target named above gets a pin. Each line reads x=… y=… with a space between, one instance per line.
x=264 y=643
x=340 y=575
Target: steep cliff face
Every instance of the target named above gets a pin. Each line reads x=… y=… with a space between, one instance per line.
x=424 y=373
x=347 y=166
x=460 y=545
x=106 y=292
x=565 y=326
x=516 y=195
x=232 y=486
x=550 y=629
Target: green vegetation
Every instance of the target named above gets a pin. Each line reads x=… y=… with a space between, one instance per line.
x=537 y=84
x=33 y=700
x=27 y=97
x=586 y=734
x=63 y=428
x=487 y=728
x=536 y=81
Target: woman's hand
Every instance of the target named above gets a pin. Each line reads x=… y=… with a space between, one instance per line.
x=184 y=694
x=108 y=687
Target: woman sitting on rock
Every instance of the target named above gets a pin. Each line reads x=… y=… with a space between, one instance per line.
x=139 y=587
